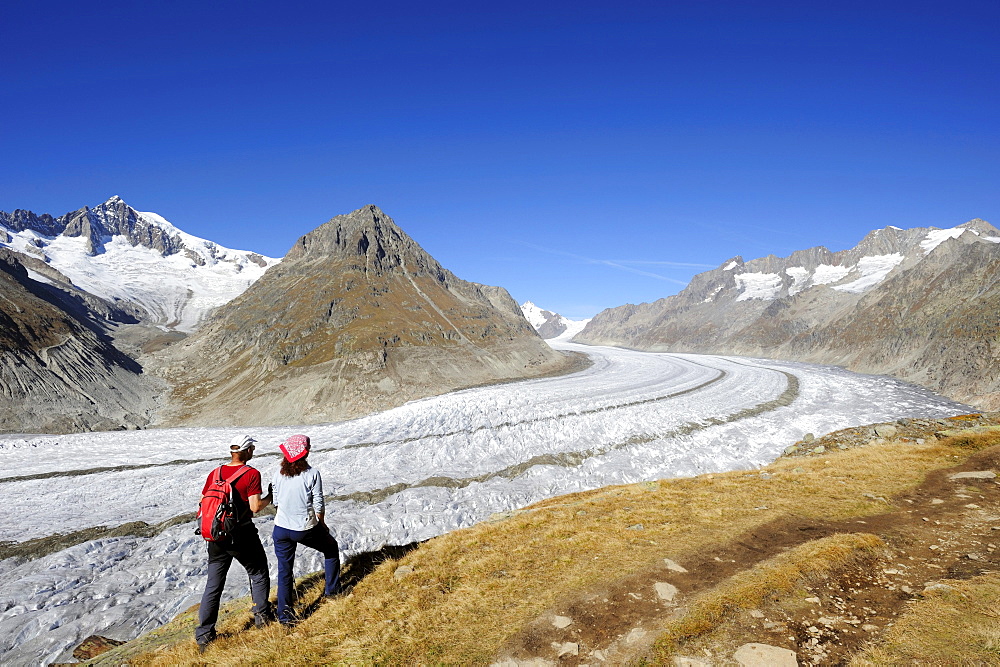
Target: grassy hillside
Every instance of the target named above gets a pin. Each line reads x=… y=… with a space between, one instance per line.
x=837 y=554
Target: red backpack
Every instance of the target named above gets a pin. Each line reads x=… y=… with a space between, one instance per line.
x=219 y=509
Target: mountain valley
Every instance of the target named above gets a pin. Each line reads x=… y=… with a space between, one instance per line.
x=920 y=304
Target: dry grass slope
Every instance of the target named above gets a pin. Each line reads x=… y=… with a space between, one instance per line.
x=473 y=596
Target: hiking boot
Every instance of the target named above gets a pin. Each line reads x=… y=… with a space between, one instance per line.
x=203 y=643
x=264 y=619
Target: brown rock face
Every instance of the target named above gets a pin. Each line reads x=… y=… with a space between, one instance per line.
x=59 y=371
x=932 y=320
x=356 y=318
x=93 y=646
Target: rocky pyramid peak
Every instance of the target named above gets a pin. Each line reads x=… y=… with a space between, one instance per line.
x=981 y=227
x=371 y=240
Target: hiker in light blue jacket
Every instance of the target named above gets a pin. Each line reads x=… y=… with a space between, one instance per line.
x=297 y=492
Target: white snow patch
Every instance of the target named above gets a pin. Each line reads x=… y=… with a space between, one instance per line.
x=573 y=327
x=825 y=274
x=936 y=237
x=533 y=314
x=758 y=285
x=730 y=266
x=177 y=291
x=800 y=279
x=710 y=297
x=873 y=271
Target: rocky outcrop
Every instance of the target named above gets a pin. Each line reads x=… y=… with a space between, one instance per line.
x=356 y=318
x=918 y=304
x=59 y=371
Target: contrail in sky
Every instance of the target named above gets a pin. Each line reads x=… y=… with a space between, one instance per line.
x=620 y=264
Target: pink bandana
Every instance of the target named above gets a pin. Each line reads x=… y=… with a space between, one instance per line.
x=295 y=447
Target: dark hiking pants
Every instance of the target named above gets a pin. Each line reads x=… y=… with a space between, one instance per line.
x=285 y=541
x=246 y=548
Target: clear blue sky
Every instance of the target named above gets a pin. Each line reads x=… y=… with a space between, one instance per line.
x=581 y=154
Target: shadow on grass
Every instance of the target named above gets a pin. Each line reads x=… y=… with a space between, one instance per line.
x=352 y=573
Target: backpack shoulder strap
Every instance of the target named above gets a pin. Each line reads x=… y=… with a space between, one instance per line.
x=217 y=476
x=239 y=473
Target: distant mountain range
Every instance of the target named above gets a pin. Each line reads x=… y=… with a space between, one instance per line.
x=358 y=318
x=549 y=324
x=920 y=304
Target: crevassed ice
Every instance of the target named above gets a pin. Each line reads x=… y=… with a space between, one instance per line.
x=631 y=408
x=800 y=279
x=758 y=285
x=873 y=271
x=828 y=273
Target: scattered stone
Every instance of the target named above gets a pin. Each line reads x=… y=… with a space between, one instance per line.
x=818 y=450
x=666 y=592
x=936 y=501
x=937 y=588
x=671 y=565
x=765 y=655
x=972 y=506
x=791 y=449
x=813 y=600
x=637 y=526
x=402 y=572
x=868 y=627
x=569 y=648
x=581 y=513
x=685 y=661
x=808 y=437
x=635 y=635
x=757 y=613
x=886 y=430
x=906 y=589
x=93 y=646
x=599 y=655
x=974 y=474
x=562 y=622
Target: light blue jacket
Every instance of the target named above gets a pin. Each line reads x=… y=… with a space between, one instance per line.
x=299 y=499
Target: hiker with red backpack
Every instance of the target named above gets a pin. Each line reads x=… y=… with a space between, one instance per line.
x=230 y=498
x=298 y=497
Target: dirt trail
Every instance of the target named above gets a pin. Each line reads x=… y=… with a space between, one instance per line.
x=945 y=529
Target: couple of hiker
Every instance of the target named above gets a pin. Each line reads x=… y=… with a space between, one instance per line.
x=296 y=490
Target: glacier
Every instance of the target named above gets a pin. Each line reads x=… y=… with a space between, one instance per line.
x=459 y=458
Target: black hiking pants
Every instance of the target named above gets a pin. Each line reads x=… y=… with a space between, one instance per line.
x=246 y=548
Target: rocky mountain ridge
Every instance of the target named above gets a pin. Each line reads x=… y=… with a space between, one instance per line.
x=357 y=317
x=918 y=304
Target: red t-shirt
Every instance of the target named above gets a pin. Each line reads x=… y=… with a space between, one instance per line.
x=247 y=485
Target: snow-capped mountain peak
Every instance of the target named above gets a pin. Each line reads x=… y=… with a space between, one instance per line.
x=551 y=325
x=121 y=254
